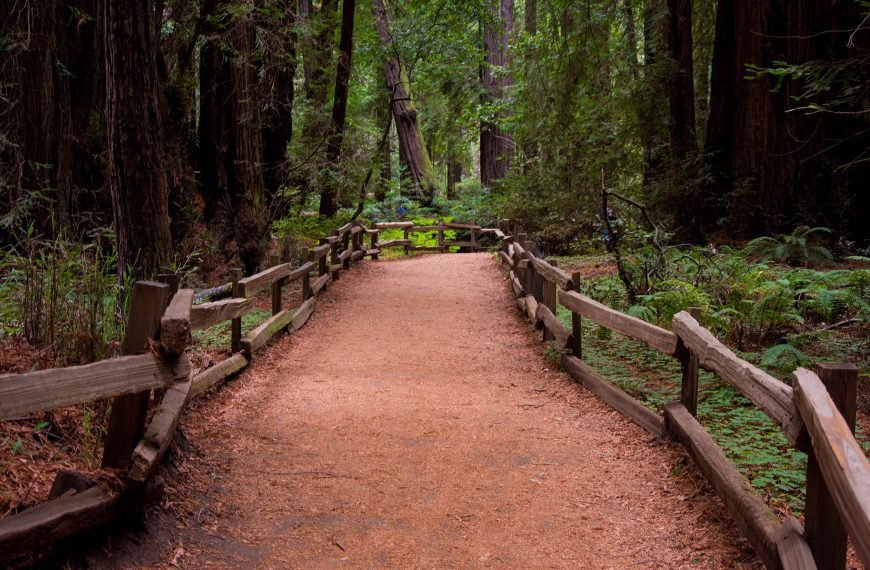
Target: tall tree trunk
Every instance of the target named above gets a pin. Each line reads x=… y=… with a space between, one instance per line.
x=245 y=178
x=329 y=196
x=495 y=145
x=412 y=147
x=531 y=14
x=317 y=58
x=681 y=93
x=278 y=71
x=746 y=142
x=386 y=176
x=212 y=88
x=137 y=174
x=454 y=168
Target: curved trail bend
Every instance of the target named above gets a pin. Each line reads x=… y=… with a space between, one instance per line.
x=414 y=422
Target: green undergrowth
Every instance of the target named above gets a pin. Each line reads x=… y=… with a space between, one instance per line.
x=751 y=440
x=218 y=336
x=419 y=239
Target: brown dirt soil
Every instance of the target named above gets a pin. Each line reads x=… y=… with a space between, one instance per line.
x=415 y=422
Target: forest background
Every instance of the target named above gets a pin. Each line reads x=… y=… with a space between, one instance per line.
x=678 y=152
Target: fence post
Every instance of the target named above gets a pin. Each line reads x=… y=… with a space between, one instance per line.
x=236 y=324
x=276 y=287
x=322 y=267
x=549 y=292
x=127 y=422
x=333 y=255
x=473 y=238
x=171 y=279
x=441 y=235
x=345 y=239
x=689 y=364
x=407 y=235
x=823 y=528
x=577 y=321
x=374 y=240
x=306 y=278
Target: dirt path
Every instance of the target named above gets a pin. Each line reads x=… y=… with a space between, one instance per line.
x=414 y=422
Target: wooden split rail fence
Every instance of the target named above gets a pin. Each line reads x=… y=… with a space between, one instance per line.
x=153 y=360
x=817 y=414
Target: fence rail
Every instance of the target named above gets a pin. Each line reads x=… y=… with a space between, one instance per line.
x=161 y=320
x=817 y=416
x=838 y=473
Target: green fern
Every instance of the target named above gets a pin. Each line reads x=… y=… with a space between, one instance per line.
x=794 y=249
x=784 y=358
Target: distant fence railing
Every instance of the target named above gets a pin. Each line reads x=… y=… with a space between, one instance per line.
x=817 y=415
x=157 y=333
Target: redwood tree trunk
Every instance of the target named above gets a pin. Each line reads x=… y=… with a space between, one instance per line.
x=681 y=93
x=412 y=147
x=329 y=195
x=137 y=173
x=495 y=145
x=279 y=68
x=245 y=156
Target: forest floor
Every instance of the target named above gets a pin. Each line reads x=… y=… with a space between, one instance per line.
x=415 y=422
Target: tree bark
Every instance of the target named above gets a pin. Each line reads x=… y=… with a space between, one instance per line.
x=329 y=196
x=137 y=174
x=245 y=177
x=681 y=93
x=531 y=14
x=412 y=147
x=495 y=145
x=278 y=71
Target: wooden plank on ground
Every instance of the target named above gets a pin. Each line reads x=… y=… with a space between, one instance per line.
x=357 y=255
x=319 y=284
x=392 y=243
x=175 y=324
x=560 y=333
x=772 y=396
x=261 y=335
x=344 y=255
x=216 y=374
x=506 y=259
x=373 y=251
x=747 y=508
x=302 y=314
x=255 y=283
x=153 y=445
x=517 y=286
x=552 y=274
x=207 y=314
x=792 y=547
x=842 y=461
x=654 y=336
x=613 y=396
x=531 y=309
x=48 y=389
x=38 y=528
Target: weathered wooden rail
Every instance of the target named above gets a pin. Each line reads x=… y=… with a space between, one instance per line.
x=154 y=367
x=817 y=414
